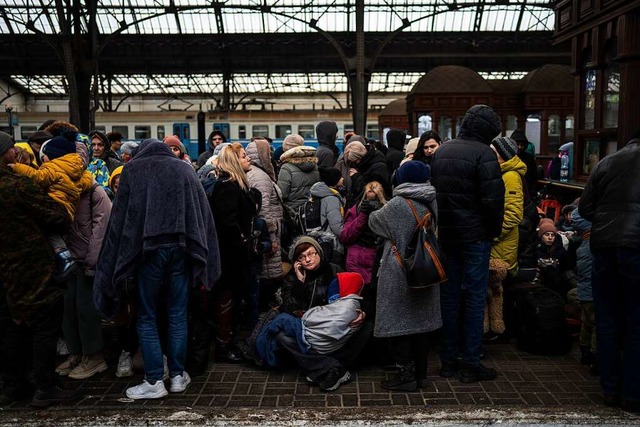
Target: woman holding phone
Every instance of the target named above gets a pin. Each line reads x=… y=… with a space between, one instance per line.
x=306 y=286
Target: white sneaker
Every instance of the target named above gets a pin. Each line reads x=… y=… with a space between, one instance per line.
x=179 y=383
x=147 y=391
x=125 y=365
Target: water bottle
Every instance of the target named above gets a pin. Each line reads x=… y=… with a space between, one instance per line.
x=564 y=167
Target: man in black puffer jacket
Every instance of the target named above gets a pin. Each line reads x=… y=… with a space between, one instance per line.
x=470 y=195
x=611 y=201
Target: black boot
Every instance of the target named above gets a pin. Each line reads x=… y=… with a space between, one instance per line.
x=404 y=380
x=228 y=353
x=65 y=265
x=55 y=394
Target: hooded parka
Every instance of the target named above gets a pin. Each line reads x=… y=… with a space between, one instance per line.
x=297 y=174
x=271 y=206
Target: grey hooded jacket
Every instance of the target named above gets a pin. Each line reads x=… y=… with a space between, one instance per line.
x=298 y=173
x=330 y=207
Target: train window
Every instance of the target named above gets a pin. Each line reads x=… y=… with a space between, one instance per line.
x=26 y=131
x=283 y=130
x=373 y=132
x=260 y=130
x=122 y=130
x=306 y=131
x=142 y=132
x=161 y=132
x=242 y=132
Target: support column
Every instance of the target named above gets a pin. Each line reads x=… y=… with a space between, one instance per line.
x=358 y=77
x=226 y=91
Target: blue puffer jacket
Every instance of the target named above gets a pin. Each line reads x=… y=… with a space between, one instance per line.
x=584 y=259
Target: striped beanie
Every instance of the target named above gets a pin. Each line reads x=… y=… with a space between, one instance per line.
x=506 y=147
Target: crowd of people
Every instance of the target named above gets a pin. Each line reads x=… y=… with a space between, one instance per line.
x=291 y=256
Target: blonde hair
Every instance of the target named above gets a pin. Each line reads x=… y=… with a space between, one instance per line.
x=376 y=187
x=229 y=162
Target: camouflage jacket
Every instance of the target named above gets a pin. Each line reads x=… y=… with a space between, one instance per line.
x=26 y=263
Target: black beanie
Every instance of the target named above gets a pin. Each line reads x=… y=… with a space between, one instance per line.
x=330 y=176
x=506 y=147
x=58 y=147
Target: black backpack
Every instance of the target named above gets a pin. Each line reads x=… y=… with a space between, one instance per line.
x=542 y=328
x=309 y=216
x=423 y=262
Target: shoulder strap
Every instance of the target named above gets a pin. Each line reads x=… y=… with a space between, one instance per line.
x=413 y=210
x=425 y=220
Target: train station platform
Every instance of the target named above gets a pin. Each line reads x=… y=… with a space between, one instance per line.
x=529 y=390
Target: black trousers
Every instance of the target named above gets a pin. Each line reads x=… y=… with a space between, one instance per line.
x=316 y=365
x=413 y=348
x=40 y=337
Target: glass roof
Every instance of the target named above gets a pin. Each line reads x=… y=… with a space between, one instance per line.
x=241 y=83
x=283 y=16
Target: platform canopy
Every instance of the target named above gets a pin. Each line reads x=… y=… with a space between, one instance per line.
x=140 y=43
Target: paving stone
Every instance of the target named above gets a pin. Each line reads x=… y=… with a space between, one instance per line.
x=399 y=399
x=523 y=380
x=244 y=402
x=334 y=400
x=203 y=401
x=465 y=398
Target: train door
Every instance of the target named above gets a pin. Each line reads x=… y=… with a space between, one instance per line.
x=225 y=129
x=183 y=132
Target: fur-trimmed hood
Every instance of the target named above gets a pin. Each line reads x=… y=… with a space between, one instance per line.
x=303 y=156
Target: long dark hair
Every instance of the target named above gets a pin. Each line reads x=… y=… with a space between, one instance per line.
x=419 y=153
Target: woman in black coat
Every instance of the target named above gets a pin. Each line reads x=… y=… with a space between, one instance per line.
x=366 y=164
x=233 y=211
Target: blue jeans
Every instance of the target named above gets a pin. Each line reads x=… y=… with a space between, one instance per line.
x=163 y=272
x=616 y=296
x=467 y=266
